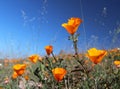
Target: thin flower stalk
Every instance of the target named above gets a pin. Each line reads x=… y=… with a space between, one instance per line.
x=76 y=52
x=54 y=57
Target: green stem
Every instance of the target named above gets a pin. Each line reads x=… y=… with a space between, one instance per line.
x=58 y=85
x=75 y=45
x=49 y=62
x=76 y=53
x=54 y=57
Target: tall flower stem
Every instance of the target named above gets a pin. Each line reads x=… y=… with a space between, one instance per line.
x=75 y=40
x=54 y=57
x=49 y=62
x=75 y=44
x=58 y=85
x=75 y=47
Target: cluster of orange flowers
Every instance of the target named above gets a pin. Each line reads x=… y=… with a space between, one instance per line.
x=58 y=73
x=19 y=69
x=94 y=54
x=71 y=26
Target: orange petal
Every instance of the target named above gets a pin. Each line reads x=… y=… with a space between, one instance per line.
x=95 y=55
x=59 y=73
x=19 y=66
x=15 y=75
x=26 y=77
x=70 y=29
x=34 y=58
x=72 y=25
x=49 y=49
x=117 y=63
x=20 y=72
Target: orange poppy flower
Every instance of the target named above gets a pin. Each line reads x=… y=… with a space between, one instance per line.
x=33 y=58
x=49 y=49
x=117 y=63
x=72 y=25
x=19 y=68
x=59 y=73
x=96 y=55
x=26 y=77
x=15 y=75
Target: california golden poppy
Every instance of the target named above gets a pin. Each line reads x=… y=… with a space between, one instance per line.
x=33 y=58
x=72 y=25
x=59 y=73
x=117 y=63
x=96 y=55
x=19 y=68
x=26 y=77
x=49 y=49
x=15 y=75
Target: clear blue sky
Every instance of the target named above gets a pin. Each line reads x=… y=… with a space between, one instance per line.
x=27 y=26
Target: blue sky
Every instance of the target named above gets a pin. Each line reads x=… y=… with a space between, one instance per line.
x=27 y=26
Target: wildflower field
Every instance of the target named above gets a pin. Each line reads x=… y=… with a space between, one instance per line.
x=94 y=69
